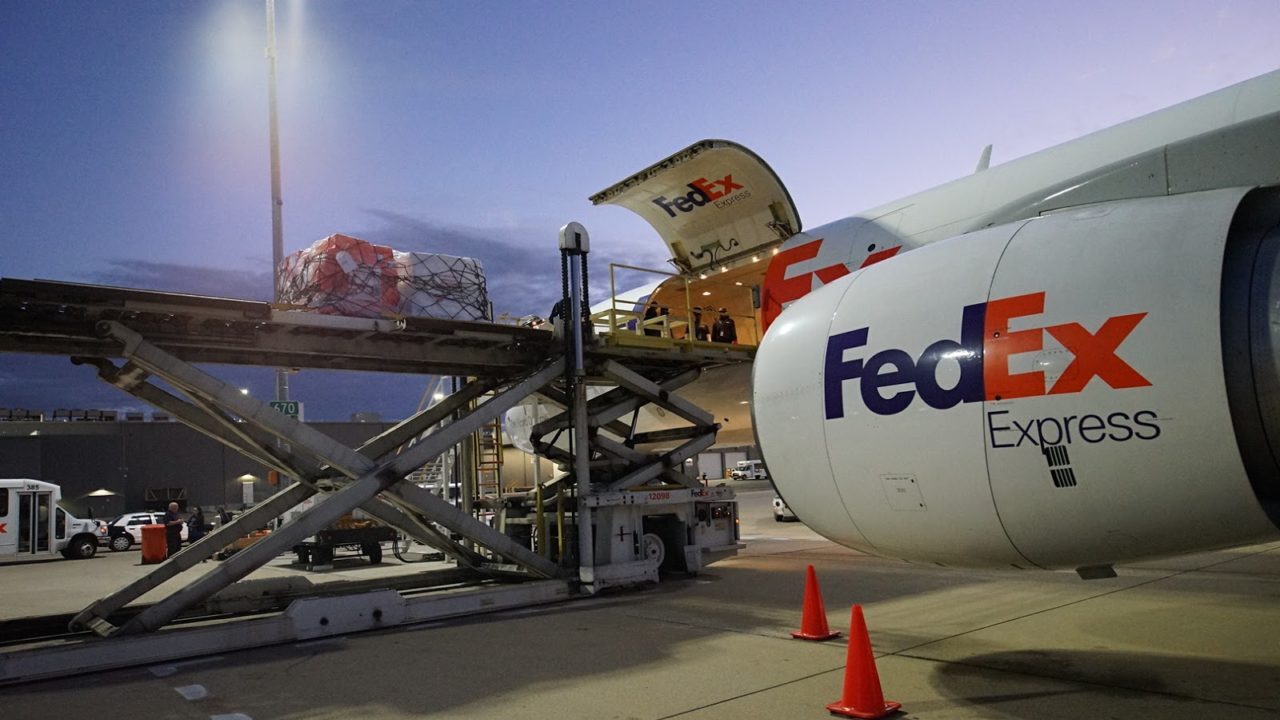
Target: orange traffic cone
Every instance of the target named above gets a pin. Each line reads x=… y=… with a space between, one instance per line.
x=813 y=618
x=862 y=697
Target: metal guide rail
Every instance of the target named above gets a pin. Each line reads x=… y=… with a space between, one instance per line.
x=59 y=318
x=65 y=319
x=159 y=337
x=307 y=618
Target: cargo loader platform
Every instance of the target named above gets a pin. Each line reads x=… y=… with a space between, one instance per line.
x=650 y=515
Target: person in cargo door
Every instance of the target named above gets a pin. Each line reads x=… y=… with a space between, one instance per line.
x=173 y=522
x=700 y=331
x=724 y=330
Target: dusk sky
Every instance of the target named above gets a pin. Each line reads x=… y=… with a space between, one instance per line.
x=133 y=141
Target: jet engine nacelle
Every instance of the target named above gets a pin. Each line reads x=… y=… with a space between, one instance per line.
x=1094 y=385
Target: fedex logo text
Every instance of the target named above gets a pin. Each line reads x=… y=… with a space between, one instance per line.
x=701 y=192
x=982 y=354
x=782 y=287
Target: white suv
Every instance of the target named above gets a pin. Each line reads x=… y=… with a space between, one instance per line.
x=126 y=531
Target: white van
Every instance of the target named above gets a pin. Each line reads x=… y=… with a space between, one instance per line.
x=32 y=525
x=749 y=470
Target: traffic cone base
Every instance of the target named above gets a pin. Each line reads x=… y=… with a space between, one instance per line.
x=839 y=708
x=813 y=618
x=862 y=697
x=802 y=635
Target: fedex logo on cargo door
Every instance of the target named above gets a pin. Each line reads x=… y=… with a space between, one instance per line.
x=701 y=192
x=886 y=378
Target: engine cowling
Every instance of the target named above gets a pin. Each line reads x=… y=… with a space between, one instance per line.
x=1094 y=385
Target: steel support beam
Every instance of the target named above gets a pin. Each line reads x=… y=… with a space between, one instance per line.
x=257 y=447
x=132 y=379
x=95 y=617
x=672 y=459
x=449 y=516
x=656 y=393
x=305 y=619
x=620 y=401
x=328 y=510
x=248 y=440
x=666 y=436
x=604 y=410
x=414 y=426
x=198 y=384
x=395 y=514
x=636 y=457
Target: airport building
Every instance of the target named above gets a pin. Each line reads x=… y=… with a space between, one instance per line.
x=143 y=462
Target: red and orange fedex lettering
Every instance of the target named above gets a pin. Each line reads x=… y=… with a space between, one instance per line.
x=1095 y=355
x=983 y=352
x=880 y=255
x=1000 y=343
x=701 y=192
x=779 y=289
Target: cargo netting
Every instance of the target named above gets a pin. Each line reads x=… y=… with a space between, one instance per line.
x=343 y=275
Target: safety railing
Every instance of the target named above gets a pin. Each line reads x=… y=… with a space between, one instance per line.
x=680 y=310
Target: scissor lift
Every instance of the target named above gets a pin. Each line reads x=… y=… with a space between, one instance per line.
x=135 y=338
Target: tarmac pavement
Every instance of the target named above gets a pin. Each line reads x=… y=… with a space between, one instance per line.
x=1192 y=637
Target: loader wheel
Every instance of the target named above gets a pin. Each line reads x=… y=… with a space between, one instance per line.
x=653 y=549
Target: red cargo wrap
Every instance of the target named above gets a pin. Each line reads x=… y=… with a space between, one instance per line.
x=343 y=275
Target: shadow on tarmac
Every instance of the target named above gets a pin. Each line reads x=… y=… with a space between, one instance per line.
x=1123 y=674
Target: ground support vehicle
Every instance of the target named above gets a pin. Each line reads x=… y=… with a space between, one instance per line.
x=678 y=529
x=33 y=525
x=749 y=470
x=125 y=531
x=317 y=553
x=163 y=341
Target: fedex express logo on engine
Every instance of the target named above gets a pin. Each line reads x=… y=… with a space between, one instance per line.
x=703 y=191
x=983 y=356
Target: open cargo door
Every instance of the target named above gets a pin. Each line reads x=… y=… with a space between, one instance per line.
x=713 y=203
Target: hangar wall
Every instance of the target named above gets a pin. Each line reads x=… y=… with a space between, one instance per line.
x=146 y=463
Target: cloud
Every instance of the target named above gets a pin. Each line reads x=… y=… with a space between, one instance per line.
x=172 y=277
x=521 y=265
x=522 y=278
x=522 y=269
x=45 y=383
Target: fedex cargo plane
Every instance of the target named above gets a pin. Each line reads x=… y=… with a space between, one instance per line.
x=1065 y=361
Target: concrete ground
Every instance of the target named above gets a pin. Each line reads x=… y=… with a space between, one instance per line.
x=1192 y=637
